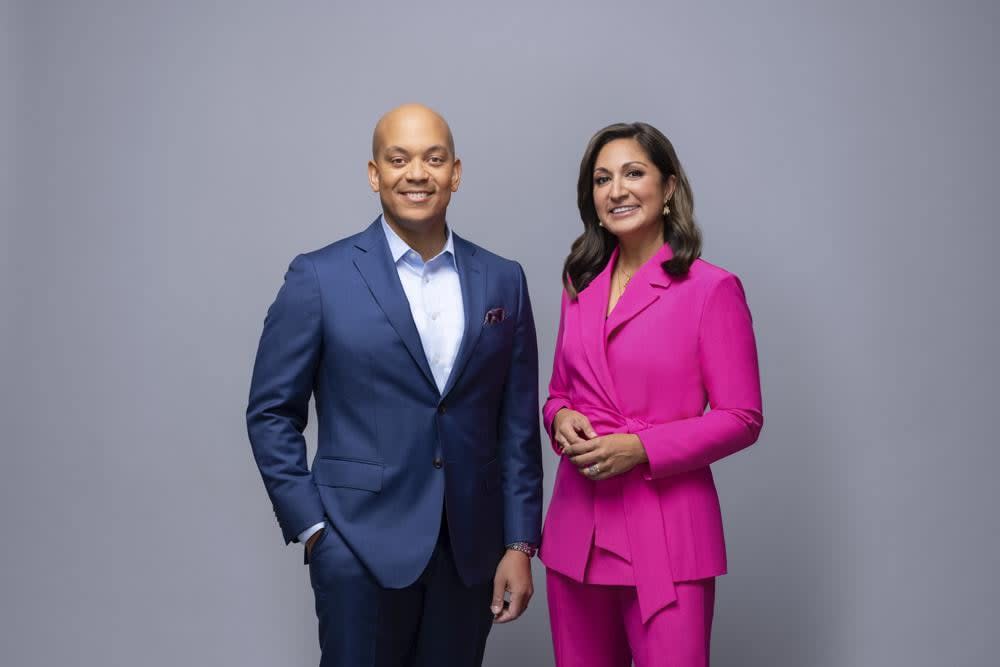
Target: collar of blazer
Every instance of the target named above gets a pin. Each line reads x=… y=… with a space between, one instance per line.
x=646 y=286
x=374 y=261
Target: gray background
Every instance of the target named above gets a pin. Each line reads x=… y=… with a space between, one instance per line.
x=162 y=163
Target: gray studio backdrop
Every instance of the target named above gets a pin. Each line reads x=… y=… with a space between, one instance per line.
x=162 y=163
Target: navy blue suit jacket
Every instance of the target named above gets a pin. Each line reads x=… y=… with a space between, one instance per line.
x=392 y=449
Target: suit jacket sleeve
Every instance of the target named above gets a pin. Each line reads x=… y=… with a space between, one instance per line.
x=519 y=439
x=558 y=387
x=278 y=409
x=728 y=361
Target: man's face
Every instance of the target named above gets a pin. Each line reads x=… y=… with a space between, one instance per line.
x=413 y=168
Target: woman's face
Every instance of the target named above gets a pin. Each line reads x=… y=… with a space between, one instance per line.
x=629 y=191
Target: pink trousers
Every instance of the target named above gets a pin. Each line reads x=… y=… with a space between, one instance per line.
x=600 y=626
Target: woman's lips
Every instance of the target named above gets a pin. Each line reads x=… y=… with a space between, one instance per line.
x=623 y=211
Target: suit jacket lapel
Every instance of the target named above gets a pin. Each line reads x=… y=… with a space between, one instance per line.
x=374 y=262
x=472 y=277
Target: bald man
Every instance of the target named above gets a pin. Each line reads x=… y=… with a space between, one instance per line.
x=422 y=507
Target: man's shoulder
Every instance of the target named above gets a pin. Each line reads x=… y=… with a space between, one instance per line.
x=341 y=249
x=487 y=257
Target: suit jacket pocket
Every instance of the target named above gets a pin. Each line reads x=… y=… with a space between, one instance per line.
x=498 y=328
x=347 y=473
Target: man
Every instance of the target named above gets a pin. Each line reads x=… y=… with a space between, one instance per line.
x=423 y=504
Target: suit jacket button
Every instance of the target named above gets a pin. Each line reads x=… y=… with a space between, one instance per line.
x=442 y=409
x=438 y=463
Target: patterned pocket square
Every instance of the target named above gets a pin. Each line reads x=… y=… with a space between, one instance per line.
x=495 y=316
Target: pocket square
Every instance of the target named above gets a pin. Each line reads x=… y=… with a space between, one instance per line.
x=495 y=316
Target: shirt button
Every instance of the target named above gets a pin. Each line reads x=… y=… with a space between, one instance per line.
x=438 y=463
x=434 y=316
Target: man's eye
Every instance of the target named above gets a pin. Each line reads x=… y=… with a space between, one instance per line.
x=434 y=159
x=397 y=162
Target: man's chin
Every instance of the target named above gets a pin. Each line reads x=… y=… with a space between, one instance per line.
x=413 y=217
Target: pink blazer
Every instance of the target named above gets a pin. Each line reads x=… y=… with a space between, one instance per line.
x=670 y=346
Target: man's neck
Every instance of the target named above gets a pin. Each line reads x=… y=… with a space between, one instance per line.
x=426 y=239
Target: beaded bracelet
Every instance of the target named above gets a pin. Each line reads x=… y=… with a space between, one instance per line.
x=523 y=547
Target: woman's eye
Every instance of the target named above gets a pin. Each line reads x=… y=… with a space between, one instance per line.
x=634 y=173
x=601 y=180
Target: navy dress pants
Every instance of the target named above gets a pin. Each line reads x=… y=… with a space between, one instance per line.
x=435 y=621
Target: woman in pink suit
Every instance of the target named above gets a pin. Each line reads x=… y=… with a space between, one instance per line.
x=649 y=334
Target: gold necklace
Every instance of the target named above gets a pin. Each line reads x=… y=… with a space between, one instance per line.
x=623 y=285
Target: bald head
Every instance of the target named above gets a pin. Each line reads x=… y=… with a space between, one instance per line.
x=407 y=119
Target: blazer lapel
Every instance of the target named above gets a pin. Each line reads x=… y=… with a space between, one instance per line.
x=593 y=306
x=375 y=265
x=472 y=277
x=644 y=289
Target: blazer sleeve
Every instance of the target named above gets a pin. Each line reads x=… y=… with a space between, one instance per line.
x=558 y=387
x=728 y=360
x=519 y=442
x=278 y=409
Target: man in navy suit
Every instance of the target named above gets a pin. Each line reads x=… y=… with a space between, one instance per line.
x=422 y=507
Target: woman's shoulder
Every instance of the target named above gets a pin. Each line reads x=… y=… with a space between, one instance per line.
x=706 y=275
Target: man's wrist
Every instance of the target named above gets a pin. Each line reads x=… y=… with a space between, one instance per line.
x=304 y=536
x=526 y=548
x=314 y=538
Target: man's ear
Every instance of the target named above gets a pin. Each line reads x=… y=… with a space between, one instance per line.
x=374 y=180
x=456 y=175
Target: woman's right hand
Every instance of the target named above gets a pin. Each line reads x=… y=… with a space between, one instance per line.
x=570 y=427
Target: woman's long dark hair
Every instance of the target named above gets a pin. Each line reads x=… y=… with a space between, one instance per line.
x=592 y=250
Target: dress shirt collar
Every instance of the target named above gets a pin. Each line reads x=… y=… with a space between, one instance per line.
x=399 y=250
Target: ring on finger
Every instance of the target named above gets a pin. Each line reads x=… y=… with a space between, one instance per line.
x=594 y=469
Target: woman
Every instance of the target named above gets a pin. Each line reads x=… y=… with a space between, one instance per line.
x=648 y=334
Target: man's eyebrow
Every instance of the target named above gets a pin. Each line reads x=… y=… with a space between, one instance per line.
x=396 y=149
x=438 y=147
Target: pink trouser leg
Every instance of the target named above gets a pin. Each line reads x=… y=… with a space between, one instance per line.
x=678 y=635
x=588 y=627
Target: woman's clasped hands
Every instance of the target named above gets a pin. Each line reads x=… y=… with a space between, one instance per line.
x=596 y=456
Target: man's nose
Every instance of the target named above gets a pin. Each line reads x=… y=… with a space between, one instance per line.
x=416 y=171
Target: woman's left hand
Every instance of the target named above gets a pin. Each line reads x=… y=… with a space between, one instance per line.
x=607 y=455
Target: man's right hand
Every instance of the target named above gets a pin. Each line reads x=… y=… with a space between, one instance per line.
x=312 y=541
x=570 y=427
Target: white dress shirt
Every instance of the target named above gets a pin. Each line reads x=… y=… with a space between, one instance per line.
x=435 y=295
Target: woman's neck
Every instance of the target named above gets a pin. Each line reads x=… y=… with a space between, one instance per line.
x=634 y=251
